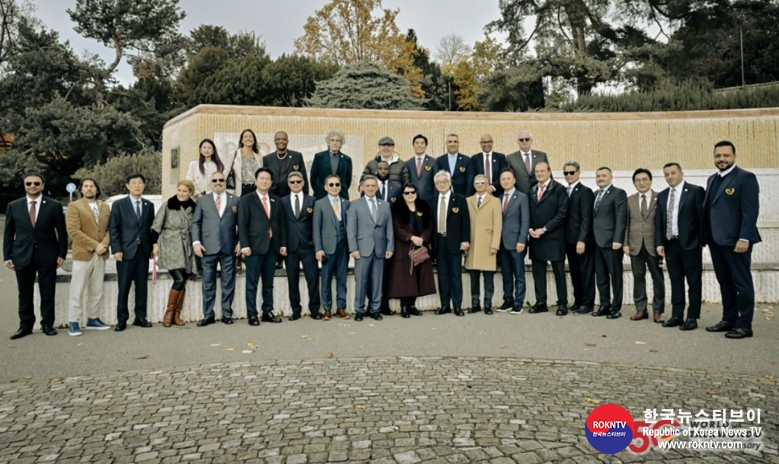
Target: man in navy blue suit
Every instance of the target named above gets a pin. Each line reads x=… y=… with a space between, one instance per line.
x=730 y=213
x=459 y=166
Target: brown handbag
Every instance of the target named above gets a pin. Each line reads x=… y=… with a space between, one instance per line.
x=418 y=256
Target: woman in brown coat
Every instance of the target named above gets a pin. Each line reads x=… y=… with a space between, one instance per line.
x=413 y=224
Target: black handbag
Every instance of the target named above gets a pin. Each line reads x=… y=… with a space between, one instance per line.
x=231 y=177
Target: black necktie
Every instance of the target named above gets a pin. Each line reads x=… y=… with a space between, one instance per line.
x=297 y=205
x=383 y=191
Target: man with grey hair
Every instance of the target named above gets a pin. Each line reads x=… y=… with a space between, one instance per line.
x=452 y=238
x=398 y=171
x=523 y=162
x=331 y=161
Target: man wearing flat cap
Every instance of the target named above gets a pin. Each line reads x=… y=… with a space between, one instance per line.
x=398 y=169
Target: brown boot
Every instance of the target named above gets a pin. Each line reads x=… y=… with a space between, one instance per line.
x=640 y=314
x=177 y=315
x=170 y=313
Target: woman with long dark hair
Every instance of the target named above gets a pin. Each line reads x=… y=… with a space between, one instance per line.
x=247 y=161
x=200 y=171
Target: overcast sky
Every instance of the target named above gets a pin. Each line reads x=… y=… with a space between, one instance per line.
x=281 y=22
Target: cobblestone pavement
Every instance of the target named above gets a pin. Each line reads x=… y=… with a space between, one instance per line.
x=382 y=409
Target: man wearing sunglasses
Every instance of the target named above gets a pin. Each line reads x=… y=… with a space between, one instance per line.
x=35 y=242
x=215 y=241
x=331 y=246
x=579 y=242
x=523 y=162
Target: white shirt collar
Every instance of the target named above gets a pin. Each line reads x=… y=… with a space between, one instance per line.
x=332 y=198
x=546 y=184
x=510 y=192
x=37 y=200
x=679 y=187
x=573 y=186
x=370 y=198
x=525 y=153
x=486 y=154
x=727 y=171
x=455 y=155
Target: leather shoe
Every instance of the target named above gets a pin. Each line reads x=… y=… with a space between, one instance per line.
x=614 y=315
x=506 y=306
x=474 y=309
x=376 y=316
x=414 y=311
x=386 y=311
x=721 y=326
x=689 y=324
x=48 y=330
x=488 y=311
x=21 y=333
x=583 y=310
x=327 y=316
x=294 y=317
x=658 y=318
x=404 y=312
x=342 y=313
x=227 y=320
x=358 y=317
x=673 y=322
x=206 y=321
x=574 y=308
x=253 y=320
x=120 y=327
x=142 y=323
x=316 y=316
x=458 y=312
x=561 y=311
x=640 y=315
x=443 y=310
x=269 y=317
x=739 y=333
x=539 y=308
x=602 y=311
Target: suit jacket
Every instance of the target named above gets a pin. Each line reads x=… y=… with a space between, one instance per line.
x=458 y=223
x=486 y=232
x=550 y=213
x=525 y=179
x=641 y=229
x=365 y=235
x=733 y=209
x=296 y=163
x=320 y=169
x=425 y=182
x=216 y=234
x=85 y=231
x=462 y=177
x=254 y=226
x=578 y=220
x=130 y=236
x=300 y=229
x=49 y=235
x=610 y=219
x=690 y=217
x=394 y=192
x=498 y=161
x=326 y=225
x=516 y=220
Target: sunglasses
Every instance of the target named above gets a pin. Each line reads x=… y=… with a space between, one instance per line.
x=524 y=140
x=295 y=181
x=409 y=193
x=333 y=185
x=569 y=173
x=37 y=184
x=217 y=181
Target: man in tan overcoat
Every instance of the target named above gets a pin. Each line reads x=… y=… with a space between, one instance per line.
x=486 y=229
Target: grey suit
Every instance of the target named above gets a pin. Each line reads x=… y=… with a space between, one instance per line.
x=372 y=238
x=608 y=226
x=219 y=236
x=516 y=224
x=640 y=238
x=330 y=237
x=525 y=180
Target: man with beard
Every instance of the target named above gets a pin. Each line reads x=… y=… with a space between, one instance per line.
x=398 y=170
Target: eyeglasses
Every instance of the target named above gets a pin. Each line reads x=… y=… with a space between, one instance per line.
x=295 y=181
x=480 y=182
x=524 y=140
x=217 y=181
x=37 y=184
x=569 y=173
x=333 y=185
x=409 y=193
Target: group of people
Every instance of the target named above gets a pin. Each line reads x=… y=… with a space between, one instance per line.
x=479 y=211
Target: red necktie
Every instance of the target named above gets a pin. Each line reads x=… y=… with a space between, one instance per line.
x=219 y=205
x=419 y=166
x=541 y=189
x=32 y=213
x=505 y=202
x=267 y=213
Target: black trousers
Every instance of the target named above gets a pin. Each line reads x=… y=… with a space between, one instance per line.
x=608 y=268
x=292 y=262
x=582 y=269
x=539 y=281
x=131 y=271
x=180 y=277
x=260 y=266
x=47 y=281
x=735 y=283
x=639 y=265
x=450 y=276
x=684 y=265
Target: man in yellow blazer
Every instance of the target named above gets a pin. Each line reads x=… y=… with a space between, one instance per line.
x=486 y=230
x=87 y=224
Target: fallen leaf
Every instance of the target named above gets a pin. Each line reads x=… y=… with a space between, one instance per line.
x=80 y=344
x=653 y=350
x=228 y=349
x=15 y=379
x=362 y=406
x=592 y=400
x=247 y=351
x=590 y=344
x=769 y=377
x=640 y=343
x=143 y=357
x=108 y=396
x=250 y=345
x=58 y=379
x=711 y=392
x=352 y=333
x=330 y=354
x=27 y=377
x=371 y=325
x=503 y=346
x=727 y=367
x=215 y=344
x=123 y=352
x=603 y=336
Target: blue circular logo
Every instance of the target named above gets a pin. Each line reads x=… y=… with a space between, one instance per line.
x=609 y=428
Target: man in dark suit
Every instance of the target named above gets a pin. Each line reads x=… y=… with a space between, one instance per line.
x=262 y=232
x=215 y=241
x=513 y=243
x=331 y=161
x=453 y=237
x=459 y=167
x=422 y=170
x=731 y=209
x=523 y=162
x=490 y=163
x=579 y=243
x=331 y=245
x=548 y=206
x=132 y=246
x=678 y=238
x=282 y=162
x=35 y=241
x=389 y=190
x=299 y=209
x=639 y=245
x=609 y=219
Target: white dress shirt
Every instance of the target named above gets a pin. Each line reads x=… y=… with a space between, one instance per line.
x=37 y=206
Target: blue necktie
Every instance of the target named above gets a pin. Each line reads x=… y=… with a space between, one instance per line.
x=138 y=209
